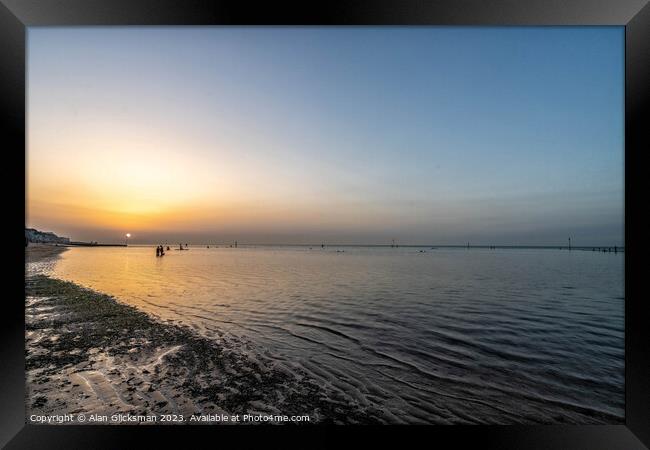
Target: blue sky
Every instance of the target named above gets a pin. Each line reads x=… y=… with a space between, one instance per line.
x=351 y=135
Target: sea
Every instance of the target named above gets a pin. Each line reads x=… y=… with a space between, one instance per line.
x=427 y=335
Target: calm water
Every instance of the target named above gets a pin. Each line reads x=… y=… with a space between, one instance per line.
x=445 y=336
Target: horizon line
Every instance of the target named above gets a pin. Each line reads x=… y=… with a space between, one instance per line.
x=228 y=244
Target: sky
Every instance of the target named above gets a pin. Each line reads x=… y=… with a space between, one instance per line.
x=303 y=135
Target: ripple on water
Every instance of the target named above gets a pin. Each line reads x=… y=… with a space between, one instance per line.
x=533 y=336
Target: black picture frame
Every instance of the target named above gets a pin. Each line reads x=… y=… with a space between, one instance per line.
x=634 y=15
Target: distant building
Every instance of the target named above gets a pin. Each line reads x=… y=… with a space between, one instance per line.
x=44 y=237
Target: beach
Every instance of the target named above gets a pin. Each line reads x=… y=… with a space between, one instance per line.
x=369 y=335
x=89 y=354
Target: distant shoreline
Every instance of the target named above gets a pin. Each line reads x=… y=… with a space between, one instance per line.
x=37 y=252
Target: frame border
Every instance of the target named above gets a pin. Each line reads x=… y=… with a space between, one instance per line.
x=634 y=15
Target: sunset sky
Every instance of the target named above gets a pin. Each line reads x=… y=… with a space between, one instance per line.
x=425 y=135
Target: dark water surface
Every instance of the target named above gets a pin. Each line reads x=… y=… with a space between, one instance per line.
x=444 y=336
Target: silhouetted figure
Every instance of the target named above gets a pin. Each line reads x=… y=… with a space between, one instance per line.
x=158 y=251
x=168 y=248
x=162 y=251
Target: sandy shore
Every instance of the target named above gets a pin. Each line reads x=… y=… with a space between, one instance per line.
x=39 y=252
x=87 y=353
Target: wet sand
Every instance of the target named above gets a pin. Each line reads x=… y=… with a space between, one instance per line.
x=40 y=252
x=87 y=353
